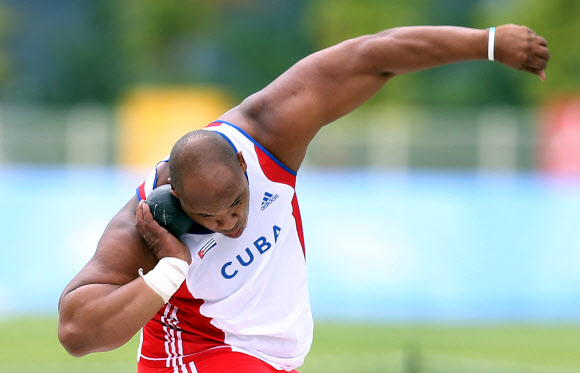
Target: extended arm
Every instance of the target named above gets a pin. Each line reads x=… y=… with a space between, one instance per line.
x=328 y=84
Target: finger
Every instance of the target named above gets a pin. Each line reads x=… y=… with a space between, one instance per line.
x=536 y=63
x=540 y=73
x=139 y=219
x=544 y=54
x=139 y=212
x=146 y=212
x=543 y=42
x=149 y=222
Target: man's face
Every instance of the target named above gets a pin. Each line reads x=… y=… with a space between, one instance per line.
x=219 y=200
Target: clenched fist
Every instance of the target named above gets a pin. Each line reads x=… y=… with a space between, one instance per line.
x=522 y=49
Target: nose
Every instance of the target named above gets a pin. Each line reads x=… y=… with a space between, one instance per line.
x=228 y=222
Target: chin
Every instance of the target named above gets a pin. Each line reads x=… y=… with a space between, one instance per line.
x=236 y=234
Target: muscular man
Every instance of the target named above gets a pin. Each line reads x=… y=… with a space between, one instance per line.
x=230 y=295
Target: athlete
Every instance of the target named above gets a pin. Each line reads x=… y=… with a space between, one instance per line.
x=231 y=295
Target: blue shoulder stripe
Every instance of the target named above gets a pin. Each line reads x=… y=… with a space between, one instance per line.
x=259 y=146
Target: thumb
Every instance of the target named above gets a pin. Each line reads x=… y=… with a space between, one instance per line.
x=542 y=75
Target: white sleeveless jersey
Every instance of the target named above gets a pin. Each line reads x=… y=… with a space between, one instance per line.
x=247 y=294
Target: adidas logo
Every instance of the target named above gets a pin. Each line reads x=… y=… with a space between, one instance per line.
x=207 y=247
x=269 y=198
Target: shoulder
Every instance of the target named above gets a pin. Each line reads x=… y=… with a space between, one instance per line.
x=256 y=117
x=120 y=253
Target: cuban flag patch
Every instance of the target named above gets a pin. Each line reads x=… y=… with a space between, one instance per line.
x=207 y=247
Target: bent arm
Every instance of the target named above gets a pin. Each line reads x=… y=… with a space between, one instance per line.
x=106 y=304
x=328 y=84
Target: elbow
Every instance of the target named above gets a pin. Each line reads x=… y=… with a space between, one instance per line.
x=79 y=340
x=73 y=341
x=373 y=54
x=401 y=50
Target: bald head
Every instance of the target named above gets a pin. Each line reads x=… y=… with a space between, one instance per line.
x=197 y=154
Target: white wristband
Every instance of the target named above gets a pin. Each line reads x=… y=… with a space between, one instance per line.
x=166 y=277
x=491 y=44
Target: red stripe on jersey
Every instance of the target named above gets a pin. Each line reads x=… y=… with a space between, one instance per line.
x=168 y=339
x=298 y=219
x=141 y=191
x=218 y=360
x=214 y=124
x=274 y=172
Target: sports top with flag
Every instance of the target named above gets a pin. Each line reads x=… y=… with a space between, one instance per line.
x=247 y=294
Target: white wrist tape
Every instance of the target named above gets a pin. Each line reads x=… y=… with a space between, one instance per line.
x=166 y=277
x=491 y=44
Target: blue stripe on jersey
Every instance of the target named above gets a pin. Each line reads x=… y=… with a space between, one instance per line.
x=155 y=180
x=228 y=140
x=259 y=146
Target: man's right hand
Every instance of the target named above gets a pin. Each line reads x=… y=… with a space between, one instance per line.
x=161 y=243
x=107 y=302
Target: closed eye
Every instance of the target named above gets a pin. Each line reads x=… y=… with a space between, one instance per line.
x=236 y=203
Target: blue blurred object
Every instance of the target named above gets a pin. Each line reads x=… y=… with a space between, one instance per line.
x=381 y=245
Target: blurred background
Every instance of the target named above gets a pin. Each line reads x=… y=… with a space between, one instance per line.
x=442 y=213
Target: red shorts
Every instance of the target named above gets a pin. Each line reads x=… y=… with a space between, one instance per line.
x=218 y=361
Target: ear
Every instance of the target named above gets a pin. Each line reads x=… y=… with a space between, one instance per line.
x=173 y=191
x=242 y=162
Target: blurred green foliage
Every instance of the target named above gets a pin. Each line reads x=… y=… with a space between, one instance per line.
x=5 y=26
x=558 y=22
x=94 y=51
x=151 y=33
x=238 y=45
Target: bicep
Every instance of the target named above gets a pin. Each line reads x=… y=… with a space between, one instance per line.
x=314 y=92
x=120 y=253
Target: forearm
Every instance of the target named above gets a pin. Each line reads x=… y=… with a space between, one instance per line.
x=407 y=49
x=102 y=317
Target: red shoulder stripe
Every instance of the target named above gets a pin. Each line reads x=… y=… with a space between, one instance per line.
x=273 y=171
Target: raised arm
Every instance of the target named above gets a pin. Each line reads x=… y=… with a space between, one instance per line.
x=328 y=84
